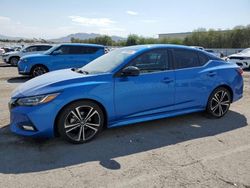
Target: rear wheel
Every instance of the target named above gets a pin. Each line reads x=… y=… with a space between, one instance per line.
x=38 y=70
x=219 y=102
x=14 y=61
x=80 y=122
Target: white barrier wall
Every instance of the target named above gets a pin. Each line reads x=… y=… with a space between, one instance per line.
x=227 y=51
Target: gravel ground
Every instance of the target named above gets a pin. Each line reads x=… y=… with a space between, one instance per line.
x=185 y=151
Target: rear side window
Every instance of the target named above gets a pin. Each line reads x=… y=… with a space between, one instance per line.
x=43 y=48
x=83 y=50
x=152 y=61
x=203 y=58
x=185 y=58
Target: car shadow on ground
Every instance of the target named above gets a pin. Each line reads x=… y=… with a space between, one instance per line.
x=19 y=79
x=5 y=65
x=24 y=155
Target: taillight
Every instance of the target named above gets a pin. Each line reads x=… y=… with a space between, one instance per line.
x=240 y=71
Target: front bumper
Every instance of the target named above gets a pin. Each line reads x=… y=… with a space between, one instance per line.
x=40 y=117
x=242 y=63
x=5 y=59
x=23 y=68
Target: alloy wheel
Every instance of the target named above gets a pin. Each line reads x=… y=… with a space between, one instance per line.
x=220 y=103
x=14 y=61
x=37 y=71
x=82 y=123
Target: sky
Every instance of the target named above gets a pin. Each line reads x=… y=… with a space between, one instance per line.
x=56 y=18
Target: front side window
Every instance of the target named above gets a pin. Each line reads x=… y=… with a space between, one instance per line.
x=31 y=49
x=153 y=61
x=64 y=50
x=185 y=58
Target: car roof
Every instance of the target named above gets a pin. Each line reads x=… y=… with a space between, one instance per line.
x=82 y=44
x=139 y=48
x=41 y=45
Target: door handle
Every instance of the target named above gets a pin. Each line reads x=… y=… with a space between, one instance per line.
x=211 y=74
x=167 y=80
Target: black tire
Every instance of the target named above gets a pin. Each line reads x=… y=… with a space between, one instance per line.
x=14 y=60
x=219 y=102
x=78 y=118
x=38 y=70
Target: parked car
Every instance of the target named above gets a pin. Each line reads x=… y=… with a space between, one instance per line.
x=59 y=57
x=2 y=51
x=217 y=54
x=198 y=47
x=13 y=57
x=242 y=59
x=125 y=86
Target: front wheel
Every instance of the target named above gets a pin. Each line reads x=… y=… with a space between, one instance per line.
x=38 y=70
x=219 y=102
x=14 y=61
x=80 y=122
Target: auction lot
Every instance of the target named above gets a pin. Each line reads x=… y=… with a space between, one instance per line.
x=185 y=151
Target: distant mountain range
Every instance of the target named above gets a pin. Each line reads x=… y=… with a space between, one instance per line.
x=10 y=38
x=67 y=38
x=83 y=36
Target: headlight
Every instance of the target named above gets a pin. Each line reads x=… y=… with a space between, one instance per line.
x=32 y=101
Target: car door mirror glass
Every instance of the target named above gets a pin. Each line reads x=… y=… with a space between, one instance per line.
x=130 y=71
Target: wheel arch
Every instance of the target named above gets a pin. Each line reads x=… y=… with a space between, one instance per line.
x=56 y=133
x=226 y=87
x=36 y=65
x=15 y=56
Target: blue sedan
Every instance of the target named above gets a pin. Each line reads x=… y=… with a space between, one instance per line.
x=126 y=86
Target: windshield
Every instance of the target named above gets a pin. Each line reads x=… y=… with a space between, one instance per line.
x=246 y=51
x=108 y=62
x=48 y=52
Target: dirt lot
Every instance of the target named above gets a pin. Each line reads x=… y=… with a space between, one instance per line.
x=186 y=151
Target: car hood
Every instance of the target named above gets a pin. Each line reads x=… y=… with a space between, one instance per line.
x=11 y=53
x=51 y=82
x=240 y=55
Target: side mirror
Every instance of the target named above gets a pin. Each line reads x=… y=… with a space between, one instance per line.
x=58 y=52
x=130 y=71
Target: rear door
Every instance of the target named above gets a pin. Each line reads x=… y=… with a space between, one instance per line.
x=192 y=81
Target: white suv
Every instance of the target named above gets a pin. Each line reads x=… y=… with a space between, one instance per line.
x=242 y=59
x=13 y=57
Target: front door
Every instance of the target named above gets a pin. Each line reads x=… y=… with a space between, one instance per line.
x=151 y=92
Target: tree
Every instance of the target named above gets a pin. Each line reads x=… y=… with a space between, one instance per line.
x=132 y=40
